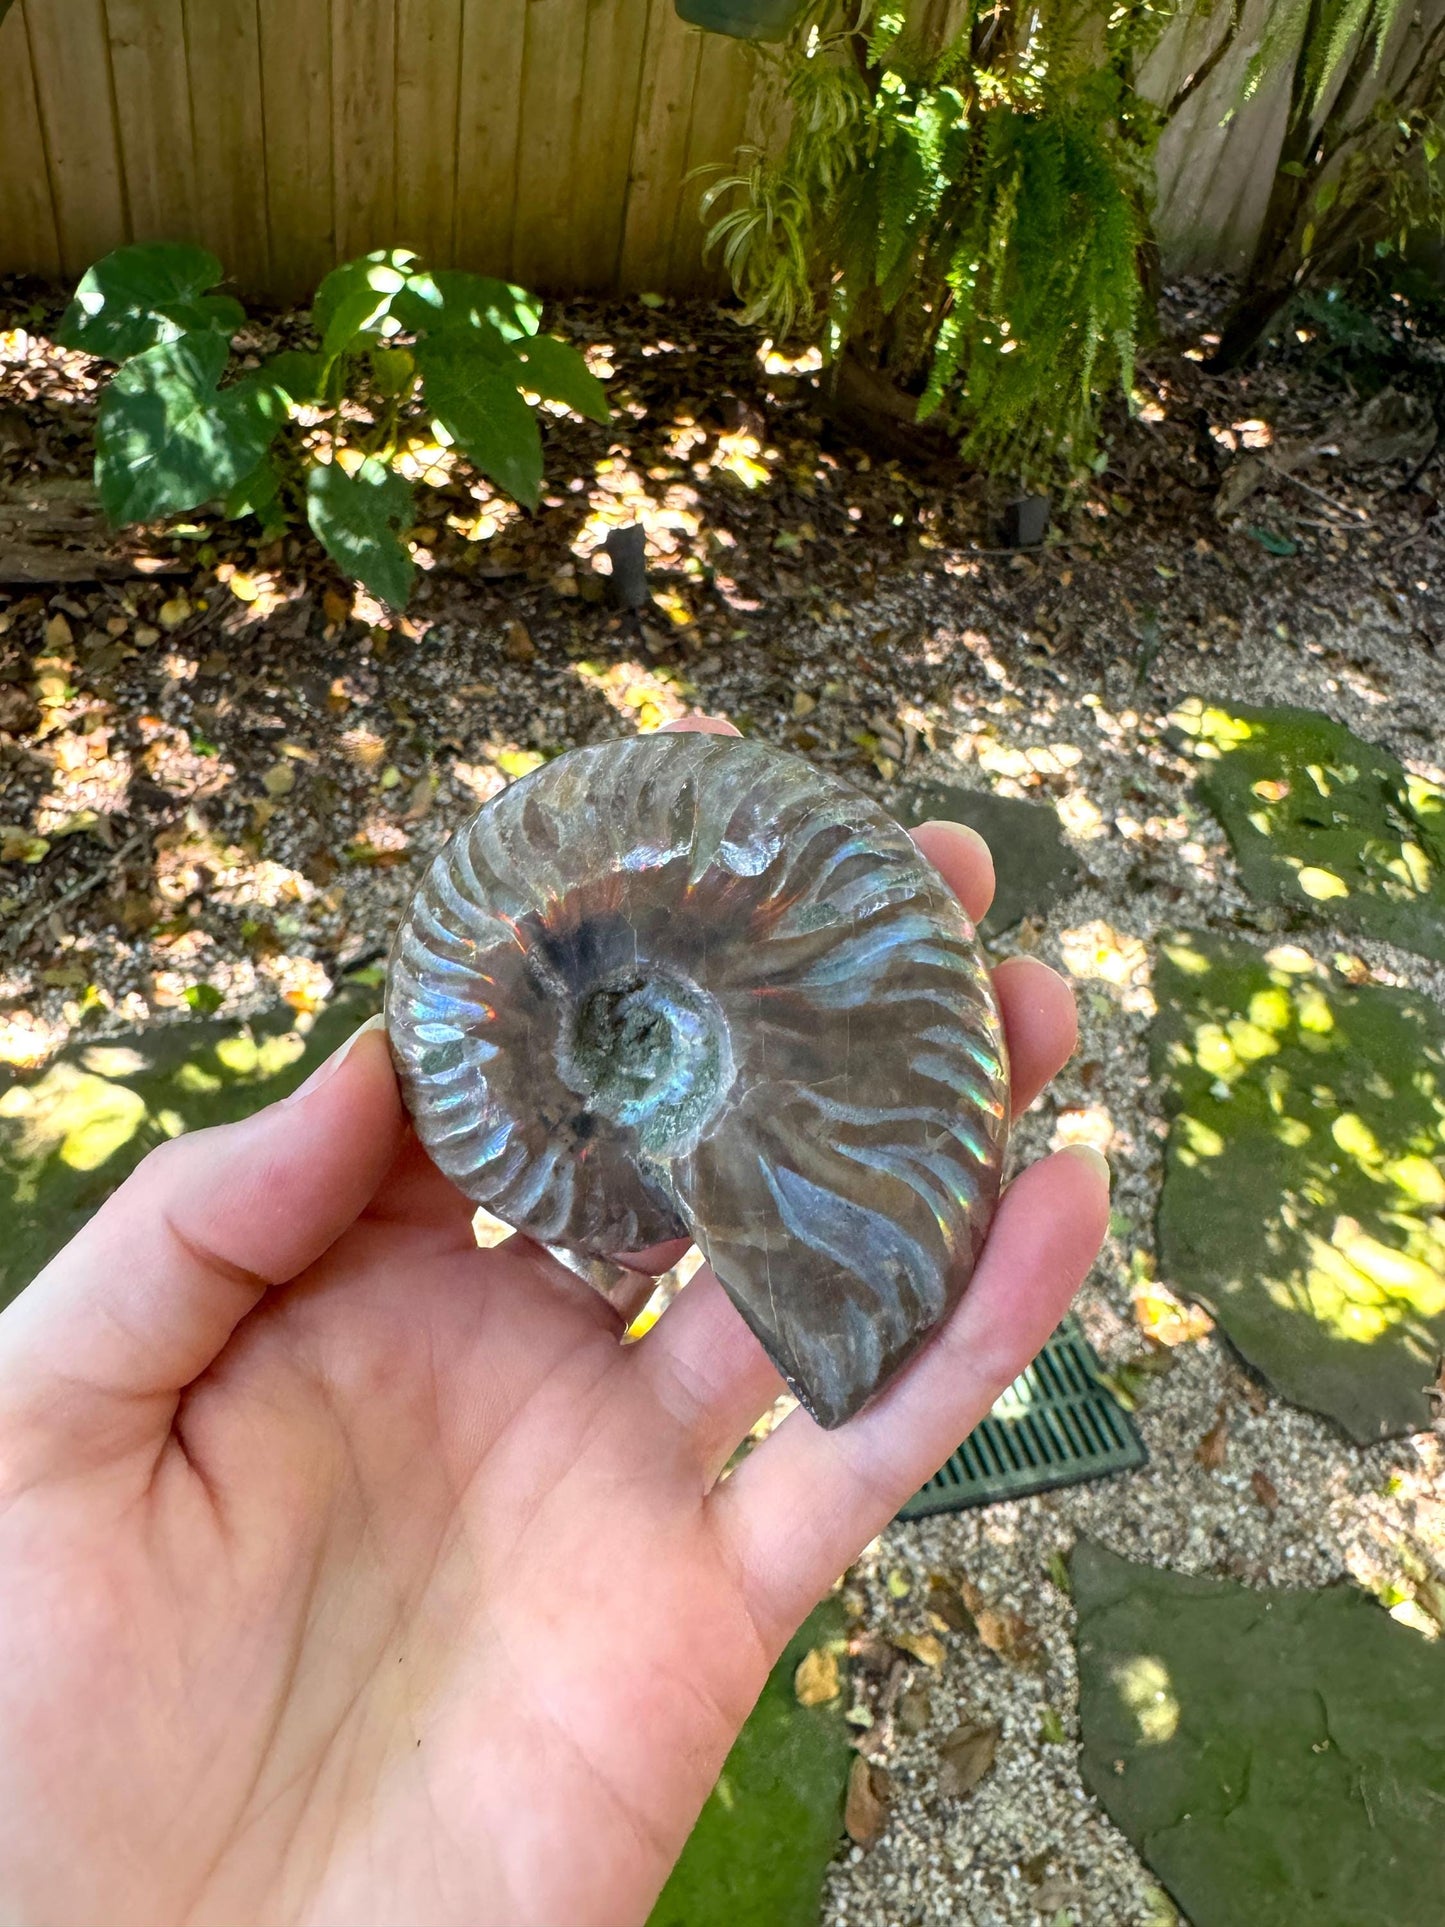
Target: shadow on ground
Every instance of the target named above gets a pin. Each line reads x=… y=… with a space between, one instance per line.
x=1304 y=1190
x=73 y=1133
x=1276 y=1757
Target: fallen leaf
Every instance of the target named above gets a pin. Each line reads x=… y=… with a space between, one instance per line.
x=915 y=1710
x=205 y=998
x=927 y=1647
x=1009 y=1635
x=519 y=646
x=945 y=1603
x=420 y=801
x=865 y=1812
x=279 y=780
x=75 y=824
x=1211 y=1449
x=18 y=710
x=1264 y=1489
x=172 y=614
x=803 y=703
x=1051 y=1727
x=967 y=1755
x=66 y=977
x=19 y=845
x=816 y=1681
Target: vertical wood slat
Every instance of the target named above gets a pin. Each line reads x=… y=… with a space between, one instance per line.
x=363 y=107
x=493 y=42
x=544 y=231
x=607 y=113
x=70 y=54
x=428 y=83
x=715 y=132
x=28 y=237
x=153 y=92
x=296 y=105
x=659 y=145
x=223 y=44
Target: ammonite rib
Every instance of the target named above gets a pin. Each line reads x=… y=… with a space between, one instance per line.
x=687 y=985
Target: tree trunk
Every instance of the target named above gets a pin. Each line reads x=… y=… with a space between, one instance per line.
x=1296 y=242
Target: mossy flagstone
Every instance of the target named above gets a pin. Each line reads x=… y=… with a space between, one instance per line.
x=71 y=1134
x=761 y=1846
x=1277 y=1758
x=1304 y=1188
x=1033 y=864
x=1322 y=821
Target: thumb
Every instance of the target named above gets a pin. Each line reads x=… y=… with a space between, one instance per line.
x=94 y=1355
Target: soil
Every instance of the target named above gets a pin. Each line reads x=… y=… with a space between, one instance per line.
x=237 y=771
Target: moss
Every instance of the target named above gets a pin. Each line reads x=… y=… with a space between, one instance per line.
x=1324 y=822
x=71 y=1134
x=1304 y=1189
x=1277 y=1758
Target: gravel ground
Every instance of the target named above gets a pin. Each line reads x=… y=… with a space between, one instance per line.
x=269 y=770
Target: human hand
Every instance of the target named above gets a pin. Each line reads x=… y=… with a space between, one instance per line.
x=350 y=1574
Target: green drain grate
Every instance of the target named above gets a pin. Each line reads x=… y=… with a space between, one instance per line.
x=1056 y=1425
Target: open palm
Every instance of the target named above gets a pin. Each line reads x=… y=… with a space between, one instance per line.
x=351 y=1574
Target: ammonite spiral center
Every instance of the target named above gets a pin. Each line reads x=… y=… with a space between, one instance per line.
x=690 y=985
x=649 y=1049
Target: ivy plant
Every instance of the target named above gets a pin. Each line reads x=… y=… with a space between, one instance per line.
x=403 y=351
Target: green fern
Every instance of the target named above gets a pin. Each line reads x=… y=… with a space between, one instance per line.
x=971 y=229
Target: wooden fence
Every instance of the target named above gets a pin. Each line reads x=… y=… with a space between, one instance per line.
x=552 y=140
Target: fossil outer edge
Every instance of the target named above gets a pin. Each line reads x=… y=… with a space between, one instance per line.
x=690 y=986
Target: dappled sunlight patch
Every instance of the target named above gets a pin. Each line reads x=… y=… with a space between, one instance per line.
x=1305 y=1174
x=71 y=1133
x=1096 y=952
x=1320 y=819
x=1142 y=1683
x=646 y=698
x=1084 y=1124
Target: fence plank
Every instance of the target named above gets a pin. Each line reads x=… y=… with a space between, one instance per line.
x=70 y=55
x=659 y=145
x=223 y=43
x=607 y=114
x=153 y=90
x=28 y=240
x=428 y=83
x=300 y=181
x=493 y=41
x=363 y=106
x=544 y=233
x=715 y=131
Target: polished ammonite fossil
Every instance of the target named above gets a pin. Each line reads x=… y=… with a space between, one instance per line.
x=689 y=986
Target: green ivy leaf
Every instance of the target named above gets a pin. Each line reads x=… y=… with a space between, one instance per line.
x=169 y=438
x=557 y=372
x=140 y=297
x=451 y=299
x=296 y=374
x=391 y=370
x=258 y=494
x=476 y=401
x=357 y=519
x=355 y=300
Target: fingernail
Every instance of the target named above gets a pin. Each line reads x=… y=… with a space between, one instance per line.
x=963 y=830
x=326 y=1070
x=1089 y=1154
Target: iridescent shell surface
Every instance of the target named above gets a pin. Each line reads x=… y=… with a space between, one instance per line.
x=689 y=986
